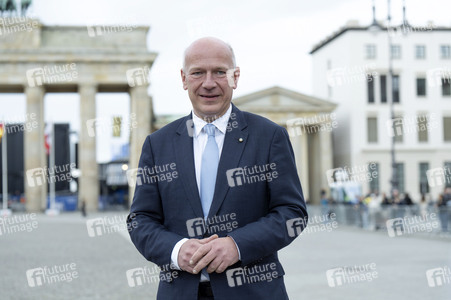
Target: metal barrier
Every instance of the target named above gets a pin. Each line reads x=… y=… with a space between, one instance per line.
x=375 y=218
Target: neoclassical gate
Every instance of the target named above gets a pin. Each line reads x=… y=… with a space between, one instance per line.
x=36 y=59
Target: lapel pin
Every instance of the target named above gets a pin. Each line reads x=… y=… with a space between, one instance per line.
x=240 y=140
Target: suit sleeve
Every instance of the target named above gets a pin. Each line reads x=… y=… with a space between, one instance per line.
x=286 y=202
x=145 y=222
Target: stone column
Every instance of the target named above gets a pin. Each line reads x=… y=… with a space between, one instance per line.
x=89 y=179
x=326 y=156
x=140 y=109
x=35 y=157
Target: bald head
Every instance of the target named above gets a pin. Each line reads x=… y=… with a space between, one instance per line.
x=207 y=44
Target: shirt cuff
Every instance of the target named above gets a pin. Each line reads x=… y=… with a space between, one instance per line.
x=237 y=248
x=175 y=253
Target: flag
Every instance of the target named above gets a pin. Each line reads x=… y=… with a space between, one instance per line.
x=48 y=137
x=2 y=129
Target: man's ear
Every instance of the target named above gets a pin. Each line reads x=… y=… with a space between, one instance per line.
x=236 y=76
x=185 y=86
x=232 y=77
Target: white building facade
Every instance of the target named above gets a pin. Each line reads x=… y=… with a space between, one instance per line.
x=351 y=68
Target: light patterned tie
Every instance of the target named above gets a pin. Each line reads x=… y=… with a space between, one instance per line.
x=209 y=169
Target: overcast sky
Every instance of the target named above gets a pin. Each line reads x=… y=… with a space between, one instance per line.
x=271 y=39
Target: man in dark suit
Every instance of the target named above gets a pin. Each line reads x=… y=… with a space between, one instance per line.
x=217 y=191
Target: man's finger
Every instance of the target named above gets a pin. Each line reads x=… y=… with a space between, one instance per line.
x=208 y=239
x=203 y=262
x=201 y=251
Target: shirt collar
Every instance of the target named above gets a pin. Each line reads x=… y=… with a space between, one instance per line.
x=220 y=123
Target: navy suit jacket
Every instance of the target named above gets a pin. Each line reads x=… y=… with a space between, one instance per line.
x=251 y=203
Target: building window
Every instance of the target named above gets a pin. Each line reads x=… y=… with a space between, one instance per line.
x=370 y=85
x=422 y=129
x=446 y=86
x=370 y=51
x=424 y=186
x=447 y=173
x=420 y=51
x=400 y=176
x=398 y=129
x=421 y=86
x=447 y=129
x=383 y=88
x=395 y=86
x=372 y=129
x=395 y=51
x=374 y=183
x=445 y=51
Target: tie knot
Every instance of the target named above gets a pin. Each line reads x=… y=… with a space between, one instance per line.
x=210 y=129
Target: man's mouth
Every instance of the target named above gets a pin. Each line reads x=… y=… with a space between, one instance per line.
x=209 y=96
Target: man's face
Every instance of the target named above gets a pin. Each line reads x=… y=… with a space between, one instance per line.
x=210 y=78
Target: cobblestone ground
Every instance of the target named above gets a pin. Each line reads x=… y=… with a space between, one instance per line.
x=100 y=262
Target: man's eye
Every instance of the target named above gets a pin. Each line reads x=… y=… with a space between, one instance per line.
x=221 y=73
x=196 y=73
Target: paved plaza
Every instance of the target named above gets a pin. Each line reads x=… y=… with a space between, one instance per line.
x=395 y=267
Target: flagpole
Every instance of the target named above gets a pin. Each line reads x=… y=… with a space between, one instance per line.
x=5 y=211
x=52 y=205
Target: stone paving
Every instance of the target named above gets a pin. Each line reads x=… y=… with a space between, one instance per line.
x=395 y=267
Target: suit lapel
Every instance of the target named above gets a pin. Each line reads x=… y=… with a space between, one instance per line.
x=184 y=153
x=234 y=143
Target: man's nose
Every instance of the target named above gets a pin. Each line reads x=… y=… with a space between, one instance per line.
x=209 y=82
